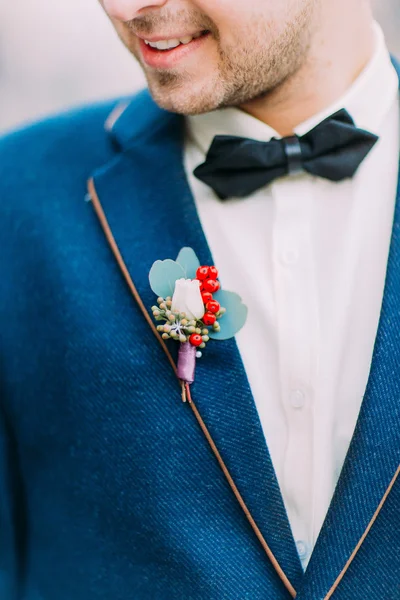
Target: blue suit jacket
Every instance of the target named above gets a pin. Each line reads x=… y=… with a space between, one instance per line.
x=108 y=487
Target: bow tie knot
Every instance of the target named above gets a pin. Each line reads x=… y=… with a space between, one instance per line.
x=237 y=167
x=293 y=152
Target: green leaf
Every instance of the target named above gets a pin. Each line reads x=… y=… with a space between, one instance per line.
x=190 y=263
x=234 y=318
x=163 y=276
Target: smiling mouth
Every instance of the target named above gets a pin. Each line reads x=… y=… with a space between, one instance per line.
x=171 y=44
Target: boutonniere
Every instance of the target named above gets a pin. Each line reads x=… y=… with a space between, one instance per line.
x=192 y=309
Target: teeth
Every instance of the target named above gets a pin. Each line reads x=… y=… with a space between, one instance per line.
x=161 y=45
x=186 y=39
x=168 y=44
x=173 y=43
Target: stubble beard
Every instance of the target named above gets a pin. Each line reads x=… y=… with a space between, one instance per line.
x=243 y=73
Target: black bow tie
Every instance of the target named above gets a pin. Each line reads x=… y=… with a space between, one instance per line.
x=236 y=166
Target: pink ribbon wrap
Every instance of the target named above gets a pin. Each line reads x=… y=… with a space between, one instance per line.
x=187 y=362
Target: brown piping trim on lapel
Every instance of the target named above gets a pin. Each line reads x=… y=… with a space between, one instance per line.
x=364 y=535
x=114 y=247
x=239 y=498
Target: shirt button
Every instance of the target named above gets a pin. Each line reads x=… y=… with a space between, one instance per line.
x=302 y=549
x=289 y=256
x=297 y=399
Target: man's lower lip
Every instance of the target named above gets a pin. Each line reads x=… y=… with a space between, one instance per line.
x=163 y=59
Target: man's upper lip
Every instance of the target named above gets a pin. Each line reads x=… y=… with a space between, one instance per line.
x=159 y=38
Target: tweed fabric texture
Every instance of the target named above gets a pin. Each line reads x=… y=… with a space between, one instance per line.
x=108 y=487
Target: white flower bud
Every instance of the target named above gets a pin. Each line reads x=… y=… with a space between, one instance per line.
x=187 y=299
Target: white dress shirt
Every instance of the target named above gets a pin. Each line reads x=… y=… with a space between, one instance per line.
x=308 y=256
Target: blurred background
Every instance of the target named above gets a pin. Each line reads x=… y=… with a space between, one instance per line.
x=58 y=53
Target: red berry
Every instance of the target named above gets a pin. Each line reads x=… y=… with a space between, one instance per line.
x=206 y=296
x=211 y=285
x=202 y=273
x=213 y=306
x=213 y=273
x=209 y=318
x=195 y=339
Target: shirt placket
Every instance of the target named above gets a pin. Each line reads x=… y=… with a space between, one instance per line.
x=297 y=338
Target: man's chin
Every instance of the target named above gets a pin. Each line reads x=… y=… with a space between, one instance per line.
x=182 y=98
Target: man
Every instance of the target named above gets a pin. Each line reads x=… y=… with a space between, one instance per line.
x=269 y=143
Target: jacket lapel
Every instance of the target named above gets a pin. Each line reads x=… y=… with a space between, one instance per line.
x=372 y=462
x=149 y=206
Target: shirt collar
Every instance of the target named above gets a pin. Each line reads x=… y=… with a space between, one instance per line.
x=378 y=82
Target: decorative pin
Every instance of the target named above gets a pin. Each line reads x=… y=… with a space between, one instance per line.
x=191 y=304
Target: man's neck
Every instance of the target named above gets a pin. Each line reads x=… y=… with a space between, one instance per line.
x=339 y=52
